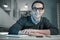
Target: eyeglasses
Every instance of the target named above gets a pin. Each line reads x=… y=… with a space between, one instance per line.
x=35 y=9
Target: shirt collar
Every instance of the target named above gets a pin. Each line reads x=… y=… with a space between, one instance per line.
x=34 y=21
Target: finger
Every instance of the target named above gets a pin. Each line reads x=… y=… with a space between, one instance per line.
x=26 y=32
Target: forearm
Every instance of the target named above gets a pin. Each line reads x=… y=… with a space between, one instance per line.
x=14 y=29
x=45 y=32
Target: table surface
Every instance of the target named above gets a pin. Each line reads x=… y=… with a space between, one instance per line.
x=4 y=36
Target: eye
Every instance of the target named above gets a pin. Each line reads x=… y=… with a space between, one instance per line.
x=40 y=8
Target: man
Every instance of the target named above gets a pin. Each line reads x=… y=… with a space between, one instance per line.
x=35 y=24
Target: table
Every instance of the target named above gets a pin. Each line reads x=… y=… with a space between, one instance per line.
x=5 y=36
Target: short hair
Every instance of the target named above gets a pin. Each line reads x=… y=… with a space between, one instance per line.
x=37 y=2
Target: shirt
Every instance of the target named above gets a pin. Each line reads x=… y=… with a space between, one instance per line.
x=26 y=23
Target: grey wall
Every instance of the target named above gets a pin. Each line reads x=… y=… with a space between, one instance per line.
x=5 y=19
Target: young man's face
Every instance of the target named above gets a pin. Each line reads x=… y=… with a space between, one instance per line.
x=38 y=10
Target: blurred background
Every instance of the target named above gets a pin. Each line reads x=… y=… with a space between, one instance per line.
x=12 y=10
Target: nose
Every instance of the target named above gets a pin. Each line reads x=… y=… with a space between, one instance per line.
x=37 y=11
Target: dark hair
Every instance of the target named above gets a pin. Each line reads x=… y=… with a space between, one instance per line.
x=37 y=2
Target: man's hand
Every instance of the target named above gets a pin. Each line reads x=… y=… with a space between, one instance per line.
x=34 y=32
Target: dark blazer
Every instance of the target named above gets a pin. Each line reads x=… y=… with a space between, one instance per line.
x=26 y=23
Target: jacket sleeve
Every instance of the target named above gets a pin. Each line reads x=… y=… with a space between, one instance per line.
x=14 y=29
x=53 y=29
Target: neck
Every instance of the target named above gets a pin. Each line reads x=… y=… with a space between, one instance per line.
x=35 y=20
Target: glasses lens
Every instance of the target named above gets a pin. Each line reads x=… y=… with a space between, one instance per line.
x=35 y=9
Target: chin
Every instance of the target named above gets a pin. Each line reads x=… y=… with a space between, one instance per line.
x=38 y=17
